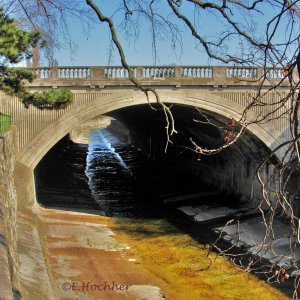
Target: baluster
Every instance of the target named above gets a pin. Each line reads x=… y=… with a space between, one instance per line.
x=182 y=72
x=186 y=72
x=206 y=72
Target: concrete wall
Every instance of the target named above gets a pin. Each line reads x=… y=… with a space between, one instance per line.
x=9 y=280
x=23 y=272
x=230 y=172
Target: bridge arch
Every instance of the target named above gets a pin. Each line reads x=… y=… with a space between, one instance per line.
x=43 y=141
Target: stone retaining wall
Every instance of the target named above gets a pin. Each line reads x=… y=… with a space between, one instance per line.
x=9 y=282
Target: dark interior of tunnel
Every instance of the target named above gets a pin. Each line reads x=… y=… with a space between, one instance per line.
x=231 y=171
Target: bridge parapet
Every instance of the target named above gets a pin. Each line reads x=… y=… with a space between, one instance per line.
x=188 y=74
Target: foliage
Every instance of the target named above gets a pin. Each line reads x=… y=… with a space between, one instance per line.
x=16 y=44
x=50 y=99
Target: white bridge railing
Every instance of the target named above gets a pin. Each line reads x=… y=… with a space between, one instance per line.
x=155 y=72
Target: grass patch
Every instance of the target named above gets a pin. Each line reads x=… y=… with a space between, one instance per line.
x=173 y=258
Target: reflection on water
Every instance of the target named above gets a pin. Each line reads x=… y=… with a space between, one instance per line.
x=110 y=180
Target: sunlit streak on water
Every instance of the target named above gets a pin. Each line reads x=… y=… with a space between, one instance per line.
x=110 y=180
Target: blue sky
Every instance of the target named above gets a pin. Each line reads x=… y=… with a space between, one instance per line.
x=92 y=49
x=93 y=45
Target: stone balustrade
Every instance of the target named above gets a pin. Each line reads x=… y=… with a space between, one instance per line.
x=156 y=72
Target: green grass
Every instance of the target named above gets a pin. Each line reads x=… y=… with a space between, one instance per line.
x=4 y=123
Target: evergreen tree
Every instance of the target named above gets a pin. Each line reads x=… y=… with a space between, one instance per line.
x=16 y=44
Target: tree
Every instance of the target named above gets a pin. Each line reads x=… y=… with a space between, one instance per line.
x=16 y=44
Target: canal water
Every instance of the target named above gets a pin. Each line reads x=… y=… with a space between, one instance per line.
x=110 y=177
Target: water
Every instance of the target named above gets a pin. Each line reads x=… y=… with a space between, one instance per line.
x=110 y=176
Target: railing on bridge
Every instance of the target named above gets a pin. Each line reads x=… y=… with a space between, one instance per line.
x=155 y=72
x=4 y=123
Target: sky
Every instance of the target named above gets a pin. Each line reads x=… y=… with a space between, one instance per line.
x=93 y=44
x=93 y=48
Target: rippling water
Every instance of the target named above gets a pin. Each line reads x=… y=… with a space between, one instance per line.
x=110 y=176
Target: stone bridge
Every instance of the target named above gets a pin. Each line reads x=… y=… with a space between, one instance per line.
x=223 y=91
